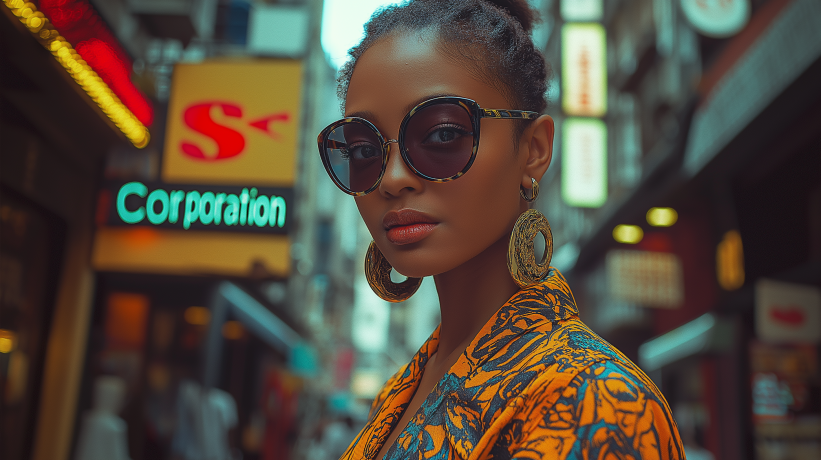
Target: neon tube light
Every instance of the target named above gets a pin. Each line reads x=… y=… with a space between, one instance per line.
x=36 y=22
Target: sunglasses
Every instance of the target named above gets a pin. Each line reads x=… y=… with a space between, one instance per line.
x=438 y=141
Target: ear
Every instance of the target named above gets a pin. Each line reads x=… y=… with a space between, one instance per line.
x=537 y=145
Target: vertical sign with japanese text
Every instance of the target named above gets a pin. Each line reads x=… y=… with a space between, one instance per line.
x=584 y=70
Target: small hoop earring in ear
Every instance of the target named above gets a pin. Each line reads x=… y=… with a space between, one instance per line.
x=521 y=257
x=534 y=193
x=378 y=274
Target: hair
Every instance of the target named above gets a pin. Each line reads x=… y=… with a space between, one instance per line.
x=491 y=38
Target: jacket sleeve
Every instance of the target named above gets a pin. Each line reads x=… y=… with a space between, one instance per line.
x=609 y=410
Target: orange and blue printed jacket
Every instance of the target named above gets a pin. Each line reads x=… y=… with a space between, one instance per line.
x=535 y=383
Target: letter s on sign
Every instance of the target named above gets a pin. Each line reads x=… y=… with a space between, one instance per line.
x=230 y=143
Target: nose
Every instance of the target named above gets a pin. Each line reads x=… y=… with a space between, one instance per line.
x=398 y=176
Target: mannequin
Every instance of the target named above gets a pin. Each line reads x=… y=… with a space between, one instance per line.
x=204 y=417
x=103 y=432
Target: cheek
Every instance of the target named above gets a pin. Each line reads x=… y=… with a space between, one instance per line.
x=489 y=196
x=484 y=203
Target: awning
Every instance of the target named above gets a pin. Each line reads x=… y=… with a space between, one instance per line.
x=707 y=333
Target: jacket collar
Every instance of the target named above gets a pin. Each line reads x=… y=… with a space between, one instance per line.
x=531 y=308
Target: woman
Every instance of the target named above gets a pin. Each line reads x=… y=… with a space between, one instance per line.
x=511 y=372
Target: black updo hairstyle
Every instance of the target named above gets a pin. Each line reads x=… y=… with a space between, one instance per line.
x=491 y=38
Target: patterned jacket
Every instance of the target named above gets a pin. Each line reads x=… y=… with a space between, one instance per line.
x=535 y=383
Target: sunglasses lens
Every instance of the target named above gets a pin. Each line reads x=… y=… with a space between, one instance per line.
x=439 y=140
x=354 y=153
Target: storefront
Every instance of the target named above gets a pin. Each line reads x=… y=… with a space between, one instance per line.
x=708 y=272
x=58 y=119
x=190 y=318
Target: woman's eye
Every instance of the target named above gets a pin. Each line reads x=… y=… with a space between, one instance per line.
x=444 y=135
x=362 y=151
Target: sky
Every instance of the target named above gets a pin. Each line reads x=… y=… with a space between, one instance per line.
x=343 y=26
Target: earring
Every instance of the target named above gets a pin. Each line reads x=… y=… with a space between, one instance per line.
x=378 y=273
x=521 y=257
x=534 y=193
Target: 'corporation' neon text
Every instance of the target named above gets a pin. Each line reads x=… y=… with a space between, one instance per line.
x=207 y=207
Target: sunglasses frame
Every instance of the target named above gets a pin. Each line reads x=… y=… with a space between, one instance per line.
x=475 y=113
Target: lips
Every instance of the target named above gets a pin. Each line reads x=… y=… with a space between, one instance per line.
x=407 y=226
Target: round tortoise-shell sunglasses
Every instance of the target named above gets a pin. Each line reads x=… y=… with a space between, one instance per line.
x=438 y=140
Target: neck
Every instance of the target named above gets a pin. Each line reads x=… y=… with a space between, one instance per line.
x=470 y=294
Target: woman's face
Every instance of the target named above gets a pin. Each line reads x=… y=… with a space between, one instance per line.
x=426 y=228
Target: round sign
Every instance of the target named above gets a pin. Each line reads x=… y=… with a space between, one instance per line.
x=717 y=18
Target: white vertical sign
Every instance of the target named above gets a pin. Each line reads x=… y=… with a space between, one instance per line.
x=584 y=162
x=787 y=312
x=584 y=69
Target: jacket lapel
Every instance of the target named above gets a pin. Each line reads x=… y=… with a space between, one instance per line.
x=386 y=413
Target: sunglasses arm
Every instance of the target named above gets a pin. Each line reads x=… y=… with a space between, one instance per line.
x=508 y=114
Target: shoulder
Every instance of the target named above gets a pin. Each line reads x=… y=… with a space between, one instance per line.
x=607 y=405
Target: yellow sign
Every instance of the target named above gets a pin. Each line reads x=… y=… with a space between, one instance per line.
x=650 y=279
x=233 y=122
x=148 y=250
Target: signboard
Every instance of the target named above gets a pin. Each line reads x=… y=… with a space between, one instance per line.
x=787 y=312
x=650 y=279
x=148 y=250
x=224 y=203
x=233 y=123
x=717 y=18
x=584 y=162
x=584 y=69
x=785 y=379
x=278 y=30
x=197 y=207
x=582 y=10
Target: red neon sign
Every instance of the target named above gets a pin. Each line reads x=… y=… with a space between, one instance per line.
x=80 y=24
x=230 y=142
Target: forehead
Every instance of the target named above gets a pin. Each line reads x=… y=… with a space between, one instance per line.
x=404 y=69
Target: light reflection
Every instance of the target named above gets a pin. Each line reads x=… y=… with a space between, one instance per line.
x=629 y=234
x=8 y=341
x=198 y=316
x=662 y=217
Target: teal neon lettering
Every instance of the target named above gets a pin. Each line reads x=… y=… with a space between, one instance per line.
x=177 y=197
x=218 y=202
x=260 y=211
x=207 y=201
x=251 y=202
x=192 y=204
x=245 y=208
x=231 y=216
x=160 y=195
x=277 y=212
x=243 y=212
x=131 y=188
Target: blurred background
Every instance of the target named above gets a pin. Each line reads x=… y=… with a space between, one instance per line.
x=179 y=278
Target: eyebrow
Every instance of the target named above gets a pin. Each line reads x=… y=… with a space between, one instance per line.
x=370 y=116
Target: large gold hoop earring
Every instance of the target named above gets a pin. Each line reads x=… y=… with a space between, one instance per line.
x=521 y=257
x=378 y=273
x=534 y=193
